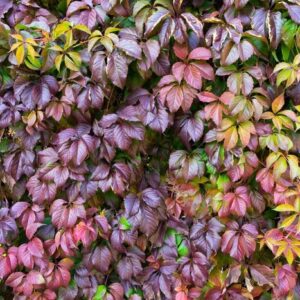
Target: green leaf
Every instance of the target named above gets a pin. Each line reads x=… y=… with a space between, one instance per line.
x=283 y=76
x=182 y=249
x=289 y=30
x=4 y=145
x=100 y=292
x=221 y=182
x=125 y=225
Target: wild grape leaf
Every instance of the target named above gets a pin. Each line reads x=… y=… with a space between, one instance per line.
x=5 y=6
x=205 y=235
x=190 y=127
x=66 y=213
x=8 y=227
x=269 y=24
x=262 y=274
x=85 y=232
x=186 y=166
x=294 y=12
x=285 y=280
x=235 y=203
x=117 y=69
x=239 y=241
x=35 y=91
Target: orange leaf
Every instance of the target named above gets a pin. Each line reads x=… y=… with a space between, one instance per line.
x=278 y=103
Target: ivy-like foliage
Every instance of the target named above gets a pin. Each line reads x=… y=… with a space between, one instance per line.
x=149 y=149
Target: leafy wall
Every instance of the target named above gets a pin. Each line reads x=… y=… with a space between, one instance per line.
x=149 y=149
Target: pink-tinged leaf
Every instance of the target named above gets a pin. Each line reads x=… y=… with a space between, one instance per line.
x=207 y=97
x=192 y=76
x=262 y=274
x=181 y=50
x=178 y=70
x=117 y=69
x=175 y=98
x=205 y=69
x=200 y=54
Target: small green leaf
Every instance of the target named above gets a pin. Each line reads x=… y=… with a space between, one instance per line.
x=100 y=293
x=221 y=182
x=125 y=225
x=182 y=249
x=4 y=145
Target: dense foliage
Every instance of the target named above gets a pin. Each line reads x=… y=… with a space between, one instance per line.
x=149 y=149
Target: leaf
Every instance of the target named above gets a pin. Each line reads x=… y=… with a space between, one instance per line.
x=294 y=12
x=200 y=54
x=70 y=64
x=230 y=138
x=20 y=54
x=125 y=225
x=262 y=275
x=288 y=221
x=58 y=61
x=100 y=292
x=230 y=54
x=61 y=29
x=284 y=208
x=278 y=103
x=155 y=19
x=117 y=69
x=131 y=48
x=294 y=166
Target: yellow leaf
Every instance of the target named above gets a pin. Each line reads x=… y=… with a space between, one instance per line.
x=294 y=167
x=280 y=250
x=69 y=64
x=83 y=28
x=69 y=40
x=284 y=208
x=17 y=37
x=272 y=158
x=20 y=53
x=60 y=29
x=31 y=51
x=31 y=41
x=92 y=43
x=75 y=58
x=58 y=60
x=280 y=166
x=56 y=48
x=288 y=221
x=277 y=123
x=289 y=256
x=111 y=30
x=107 y=43
x=15 y=46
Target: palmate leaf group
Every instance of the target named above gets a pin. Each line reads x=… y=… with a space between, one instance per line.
x=149 y=149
